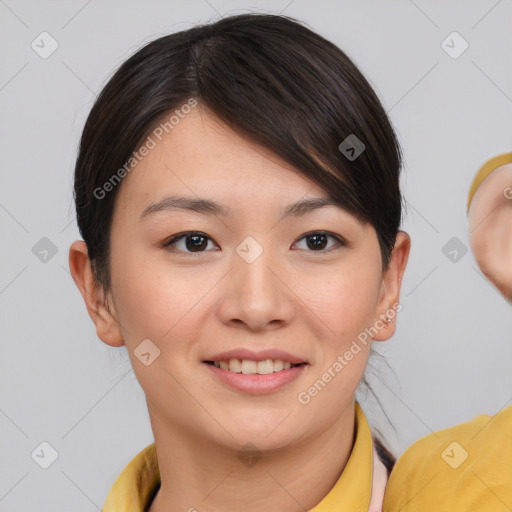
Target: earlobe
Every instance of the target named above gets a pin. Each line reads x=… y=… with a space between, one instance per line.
x=389 y=303
x=107 y=326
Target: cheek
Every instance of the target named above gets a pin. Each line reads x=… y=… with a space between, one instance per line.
x=153 y=304
x=346 y=301
x=150 y=302
x=346 y=304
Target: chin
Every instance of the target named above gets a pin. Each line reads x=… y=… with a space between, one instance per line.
x=273 y=432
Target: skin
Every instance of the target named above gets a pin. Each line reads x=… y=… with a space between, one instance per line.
x=309 y=302
x=490 y=227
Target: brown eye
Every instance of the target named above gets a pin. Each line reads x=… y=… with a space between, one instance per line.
x=318 y=240
x=194 y=242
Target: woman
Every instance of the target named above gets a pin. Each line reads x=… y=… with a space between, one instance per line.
x=237 y=191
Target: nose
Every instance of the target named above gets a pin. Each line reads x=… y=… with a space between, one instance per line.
x=257 y=295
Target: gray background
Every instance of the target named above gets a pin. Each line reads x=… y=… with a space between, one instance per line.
x=451 y=356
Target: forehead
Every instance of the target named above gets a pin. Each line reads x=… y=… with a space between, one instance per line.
x=201 y=156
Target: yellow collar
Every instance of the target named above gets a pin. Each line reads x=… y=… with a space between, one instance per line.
x=352 y=491
x=136 y=486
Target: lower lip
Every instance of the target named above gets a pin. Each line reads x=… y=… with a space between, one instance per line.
x=257 y=384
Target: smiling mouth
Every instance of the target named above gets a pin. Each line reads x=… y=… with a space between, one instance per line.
x=249 y=367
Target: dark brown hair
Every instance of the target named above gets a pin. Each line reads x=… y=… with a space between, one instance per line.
x=272 y=80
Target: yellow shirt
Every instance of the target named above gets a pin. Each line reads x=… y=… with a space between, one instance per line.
x=463 y=468
x=136 y=486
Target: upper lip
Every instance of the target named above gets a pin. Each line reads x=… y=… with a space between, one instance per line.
x=242 y=353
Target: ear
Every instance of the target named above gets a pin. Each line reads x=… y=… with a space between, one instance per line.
x=389 y=299
x=102 y=314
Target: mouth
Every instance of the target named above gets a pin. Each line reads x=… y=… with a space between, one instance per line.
x=255 y=377
x=251 y=367
x=251 y=372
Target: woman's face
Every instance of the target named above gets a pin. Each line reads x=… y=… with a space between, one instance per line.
x=257 y=282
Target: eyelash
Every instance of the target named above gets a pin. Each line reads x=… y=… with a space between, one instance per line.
x=186 y=234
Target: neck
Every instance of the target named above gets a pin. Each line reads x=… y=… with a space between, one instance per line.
x=199 y=475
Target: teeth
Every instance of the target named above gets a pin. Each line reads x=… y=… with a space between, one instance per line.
x=248 y=367
x=235 y=365
x=265 y=367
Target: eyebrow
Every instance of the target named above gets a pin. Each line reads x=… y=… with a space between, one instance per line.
x=208 y=207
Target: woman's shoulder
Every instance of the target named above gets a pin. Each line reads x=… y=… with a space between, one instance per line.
x=465 y=467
